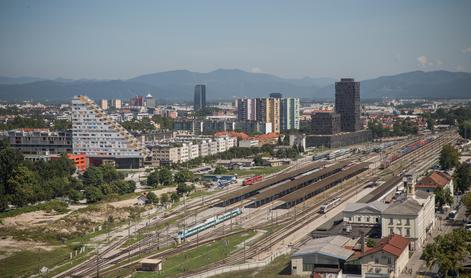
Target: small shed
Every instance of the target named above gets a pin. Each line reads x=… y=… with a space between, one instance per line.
x=151 y=264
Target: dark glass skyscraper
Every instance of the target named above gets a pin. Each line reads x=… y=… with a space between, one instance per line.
x=200 y=97
x=347 y=104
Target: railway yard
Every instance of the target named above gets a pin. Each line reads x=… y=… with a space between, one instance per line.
x=284 y=209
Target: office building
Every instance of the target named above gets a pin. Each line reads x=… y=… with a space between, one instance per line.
x=200 y=97
x=325 y=123
x=104 y=104
x=101 y=138
x=116 y=103
x=347 y=104
x=289 y=113
x=137 y=101
x=150 y=101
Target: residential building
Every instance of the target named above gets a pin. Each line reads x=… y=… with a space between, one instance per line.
x=200 y=97
x=254 y=127
x=104 y=104
x=347 y=104
x=247 y=109
x=437 y=179
x=34 y=141
x=268 y=111
x=289 y=113
x=101 y=138
x=387 y=259
x=116 y=103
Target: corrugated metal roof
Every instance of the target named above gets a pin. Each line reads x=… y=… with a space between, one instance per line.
x=332 y=246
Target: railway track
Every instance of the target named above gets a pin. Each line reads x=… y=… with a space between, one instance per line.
x=303 y=217
x=311 y=213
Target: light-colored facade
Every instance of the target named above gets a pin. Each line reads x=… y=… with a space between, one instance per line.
x=182 y=149
x=99 y=136
x=364 y=214
x=411 y=218
x=289 y=113
x=116 y=103
x=104 y=104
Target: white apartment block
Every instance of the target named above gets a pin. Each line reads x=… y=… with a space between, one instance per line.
x=101 y=137
x=187 y=148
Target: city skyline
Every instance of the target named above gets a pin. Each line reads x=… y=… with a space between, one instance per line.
x=86 y=39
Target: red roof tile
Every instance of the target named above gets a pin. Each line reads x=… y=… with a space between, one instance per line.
x=393 y=244
x=435 y=180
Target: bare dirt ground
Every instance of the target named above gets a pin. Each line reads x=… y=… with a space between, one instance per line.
x=35 y=218
x=8 y=246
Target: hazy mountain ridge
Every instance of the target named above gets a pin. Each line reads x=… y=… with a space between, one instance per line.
x=225 y=84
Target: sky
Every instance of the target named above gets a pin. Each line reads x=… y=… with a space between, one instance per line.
x=122 y=39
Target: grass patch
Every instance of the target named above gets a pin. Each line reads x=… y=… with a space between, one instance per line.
x=263 y=171
x=55 y=205
x=278 y=268
x=27 y=263
x=195 y=258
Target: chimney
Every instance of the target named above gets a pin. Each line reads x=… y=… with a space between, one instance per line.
x=362 y=242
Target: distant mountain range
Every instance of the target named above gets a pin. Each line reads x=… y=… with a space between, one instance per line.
x=224 y=84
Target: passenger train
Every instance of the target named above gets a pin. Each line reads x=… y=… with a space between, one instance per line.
x=208 y=223
x=332 y=203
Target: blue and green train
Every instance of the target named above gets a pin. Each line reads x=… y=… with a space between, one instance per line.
x=208 y=223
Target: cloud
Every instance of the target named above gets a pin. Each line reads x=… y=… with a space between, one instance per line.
x=466 y=50
x=423 y=61
x=459 y=68
x=397 y=57
x=256 y=70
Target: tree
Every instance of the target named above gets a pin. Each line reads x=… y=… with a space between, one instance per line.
x=183 y=176
x=110 y=173
x=467 y=203
x=465 y=129
x=164 y=198
x=10 y=159
x=219 y=170
x=153 y=179
x=152 y=198
x=93 y=194
x=448 y=251
x=443 y=196
x=174 y=197
x=75 y=195
x=62 y=125
x=449 y=157
x=430 y=124
x=258 y=161
x=165 y=176
x=370 y=243
x=24 y=184
x=92 y=177
x=462 y=177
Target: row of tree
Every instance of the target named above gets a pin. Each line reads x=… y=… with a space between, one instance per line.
x=401 y=127
x=165 y=198
x=165 y=177
x=450 y=159
x=24 y=182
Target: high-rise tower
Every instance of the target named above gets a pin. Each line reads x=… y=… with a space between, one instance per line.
x=200 y=97
x=347 y=104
